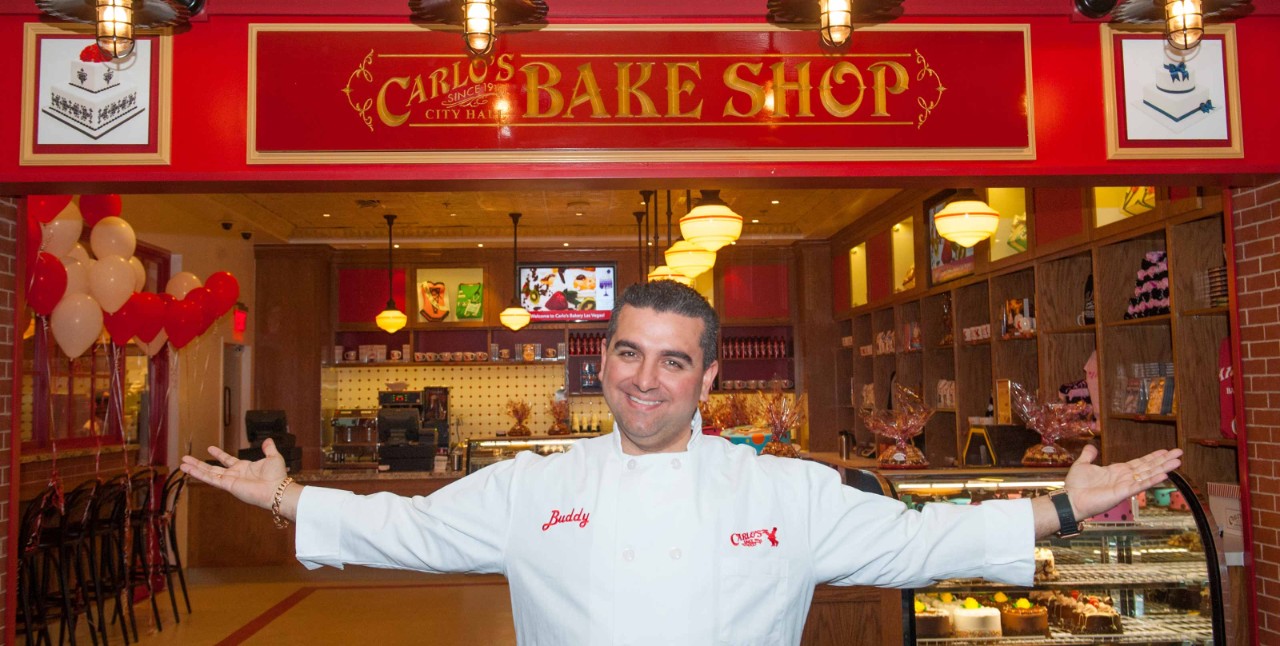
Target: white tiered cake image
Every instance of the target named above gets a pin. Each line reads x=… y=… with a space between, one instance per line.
x=97 y=97
x=1173 y=98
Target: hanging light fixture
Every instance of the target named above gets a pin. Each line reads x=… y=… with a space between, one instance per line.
x=966 y=220
x=663 y=272
x=116 y=20
x=391 y=319
x=690 y=259
x=1183 y=23
x=515 y=316
x=479 y=19
x=835 y=20
x=711 y=224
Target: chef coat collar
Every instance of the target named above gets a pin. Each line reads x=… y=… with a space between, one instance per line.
x=695 y=435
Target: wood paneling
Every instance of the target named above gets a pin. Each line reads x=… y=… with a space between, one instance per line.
x=853 y=615
x=295 y=330
x=819 y=359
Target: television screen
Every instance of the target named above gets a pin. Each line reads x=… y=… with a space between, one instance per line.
x=563 y=293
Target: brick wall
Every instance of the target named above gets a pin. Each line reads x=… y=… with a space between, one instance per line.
x=8 y=260
x=1257 y=224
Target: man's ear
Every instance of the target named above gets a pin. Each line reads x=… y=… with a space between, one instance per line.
x=709 y=378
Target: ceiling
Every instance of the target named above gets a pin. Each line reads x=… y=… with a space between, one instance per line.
x=597 y=218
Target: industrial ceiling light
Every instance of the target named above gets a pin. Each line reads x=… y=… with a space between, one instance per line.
x=116 y=20
x=391 y=319
x=836 y=21
x=516 y=316
x=711 y=224
x=479 y=19
x=1183 y=23
x=966 y=220
x=690 y=259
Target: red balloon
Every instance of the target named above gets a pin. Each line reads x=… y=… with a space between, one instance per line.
x=225 y=289
x=122 y=325
x=201 y=296
x=148 y=311
x=183 y=320
x=48 y=283
x=96 y=207
x=44 y=208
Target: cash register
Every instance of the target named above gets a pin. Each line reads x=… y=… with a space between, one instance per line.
x=262 y=424
x=404 y=442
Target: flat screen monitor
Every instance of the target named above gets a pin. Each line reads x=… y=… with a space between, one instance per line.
x=398 y=425
x=567 y=293
x=261 y=424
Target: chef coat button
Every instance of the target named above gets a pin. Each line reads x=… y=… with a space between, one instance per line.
x=631 y=464
x=675 y=463
x=628 y=554
x=676 y=554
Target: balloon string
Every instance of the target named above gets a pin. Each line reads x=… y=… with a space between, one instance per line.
x=43 y=391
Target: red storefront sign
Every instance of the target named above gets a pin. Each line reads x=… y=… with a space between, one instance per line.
x=395 y=94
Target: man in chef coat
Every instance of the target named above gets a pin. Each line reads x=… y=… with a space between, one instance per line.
x=658 y=534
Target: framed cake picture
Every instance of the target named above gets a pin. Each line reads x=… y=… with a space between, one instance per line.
x=81 y=108
x=1165 y=103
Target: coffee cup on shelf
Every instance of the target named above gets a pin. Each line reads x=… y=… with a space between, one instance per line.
x=349 y=355
x=504 y=354
x=549 y=353
x=421 y=356
x=468 y=356
x=482 y=356
x=396 y=355
x=429 y=356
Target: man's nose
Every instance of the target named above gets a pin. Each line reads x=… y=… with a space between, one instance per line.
x=646 y=377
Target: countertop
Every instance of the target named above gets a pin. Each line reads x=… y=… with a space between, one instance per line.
x=335 y=475
x=835 y=460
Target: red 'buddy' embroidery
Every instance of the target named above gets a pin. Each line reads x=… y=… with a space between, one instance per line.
x=754 y=538
x=574 y=516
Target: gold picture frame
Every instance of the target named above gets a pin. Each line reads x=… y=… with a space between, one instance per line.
x=122 y=119
x=1196 y=114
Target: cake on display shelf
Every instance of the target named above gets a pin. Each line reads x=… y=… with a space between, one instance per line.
x=1174 y=98
x=98 y=96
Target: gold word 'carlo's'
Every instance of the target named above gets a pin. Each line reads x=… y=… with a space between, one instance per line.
x=841 y=89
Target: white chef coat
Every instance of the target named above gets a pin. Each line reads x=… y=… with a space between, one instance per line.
x=713 y=545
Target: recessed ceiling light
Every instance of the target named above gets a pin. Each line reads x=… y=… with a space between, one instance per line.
x=566 y=244
x=326 y=215
x=579 y=213
x=453 y=215
x=480 y=245
x=396 y=246
x=773 y=202
x=754 y=221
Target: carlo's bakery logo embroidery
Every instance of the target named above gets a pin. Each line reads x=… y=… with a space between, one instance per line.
x=755 y=537
x=575 y=515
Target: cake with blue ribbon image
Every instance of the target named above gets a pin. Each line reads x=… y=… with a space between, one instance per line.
x=1174 y=98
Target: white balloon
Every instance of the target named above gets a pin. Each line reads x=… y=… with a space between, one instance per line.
x=77 y=276
x=112 y=236
x=61 y=233
x=181 y=283
x=156 y=345
x=80 y=253
x=111 y=282
x=76 y=323
x=140 y=273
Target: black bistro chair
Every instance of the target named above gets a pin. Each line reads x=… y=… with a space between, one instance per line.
x=166 y=524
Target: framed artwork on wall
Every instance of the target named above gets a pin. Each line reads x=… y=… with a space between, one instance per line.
x=78 y=108
x=947 y=260
x=449 y=294
x=1164 y=103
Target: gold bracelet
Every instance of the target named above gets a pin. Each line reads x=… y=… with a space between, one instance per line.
x=277 y=500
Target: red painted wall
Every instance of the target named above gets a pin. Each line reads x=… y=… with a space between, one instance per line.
x=209 y=116
x=757 y=292
x=1059 y=214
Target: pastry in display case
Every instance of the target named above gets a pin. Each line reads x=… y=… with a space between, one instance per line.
x=482 y=452
x=1145 y=572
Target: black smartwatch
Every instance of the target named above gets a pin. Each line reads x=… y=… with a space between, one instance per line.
x=1067 y=525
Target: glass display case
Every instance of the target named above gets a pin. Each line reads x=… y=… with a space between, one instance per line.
x=482 y=452
x=1147 y=571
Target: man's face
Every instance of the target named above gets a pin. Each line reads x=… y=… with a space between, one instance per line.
x=653 y=379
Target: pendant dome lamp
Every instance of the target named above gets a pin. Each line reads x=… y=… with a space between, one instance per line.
x=1183 y=23
x=663 y=272
x=391 y=320
x=711 y=224
x=690 y=259
x=516 y=316
x=116 y=20
x=966 y=220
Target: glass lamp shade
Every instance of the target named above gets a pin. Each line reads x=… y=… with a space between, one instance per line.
x=514 y=317
x=391 y=320
x=115 y=27
x=477 y=25
x=836 y=18
x=966 y=220
x=663 y=272
x=689 y=259
x=1183 y=23
x=711 y=224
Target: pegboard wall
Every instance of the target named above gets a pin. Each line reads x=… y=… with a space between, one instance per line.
x=478 y=394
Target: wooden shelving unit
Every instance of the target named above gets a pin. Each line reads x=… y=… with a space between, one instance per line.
x=1187 y=339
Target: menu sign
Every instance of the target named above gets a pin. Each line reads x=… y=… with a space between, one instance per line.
x=385 y=93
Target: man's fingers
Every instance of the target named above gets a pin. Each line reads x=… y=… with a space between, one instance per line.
x=269 y=448
x=1088 y=454
x=222 y=456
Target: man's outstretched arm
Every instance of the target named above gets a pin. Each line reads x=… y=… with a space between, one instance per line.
x=1094 y=489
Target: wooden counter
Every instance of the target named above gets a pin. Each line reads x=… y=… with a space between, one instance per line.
x=224 y=532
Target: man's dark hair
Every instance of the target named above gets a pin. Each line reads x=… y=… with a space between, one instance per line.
x=670 y=296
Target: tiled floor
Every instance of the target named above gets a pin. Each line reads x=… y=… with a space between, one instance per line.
x=289 y=605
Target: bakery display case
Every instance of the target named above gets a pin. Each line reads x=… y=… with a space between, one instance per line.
x=1146 y=572
x=482 y=452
